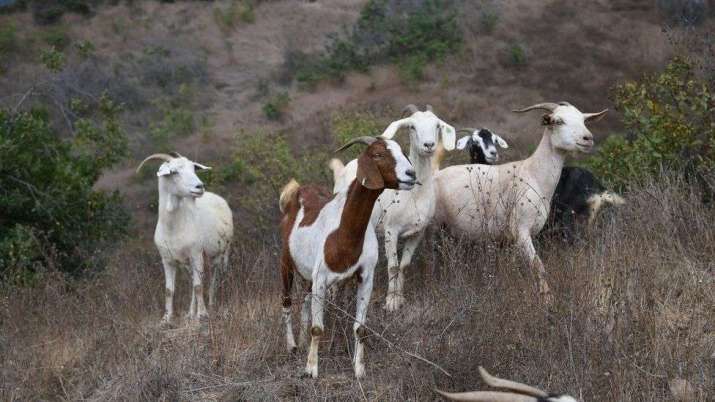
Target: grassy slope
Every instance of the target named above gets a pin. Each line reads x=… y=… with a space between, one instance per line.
x=635 y=305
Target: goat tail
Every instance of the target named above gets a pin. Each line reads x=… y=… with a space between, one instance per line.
x=612 y=198
x=337 y=166
x=287 y=194
x=438 y=156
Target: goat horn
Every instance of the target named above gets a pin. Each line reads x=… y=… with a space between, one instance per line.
x=428 y=108
x=410 y=108
x=548 y=106
x=469 y=130
x=512 y=385
x=487 y=396
x=367 y=140
x=164 y=157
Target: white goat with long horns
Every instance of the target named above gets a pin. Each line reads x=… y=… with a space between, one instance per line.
x=518 y=392
x=195 y=227
x=511 y=201
x=405 y=214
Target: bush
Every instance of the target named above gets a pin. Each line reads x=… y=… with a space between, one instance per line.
x=52 y=217
x=517 y=54
x=407 y=33
x=8 y=39
x=47 y=12
x=276 y=106
x=489 y=17
x=670 y=123
x=56 y=37
x=348 y=125
x=53 y=59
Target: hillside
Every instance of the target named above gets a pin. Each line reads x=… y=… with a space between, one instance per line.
x=218 y=82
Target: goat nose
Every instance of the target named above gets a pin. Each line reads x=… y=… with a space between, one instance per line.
x=588 y=138
x=200 y=186
x=411 y=173
x=493 y=152
x=429 y=144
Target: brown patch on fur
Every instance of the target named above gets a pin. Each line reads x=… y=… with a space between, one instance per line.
x=343 y=247
x=312 y=198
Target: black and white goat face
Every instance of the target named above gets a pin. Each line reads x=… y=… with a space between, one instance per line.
x=482 y=145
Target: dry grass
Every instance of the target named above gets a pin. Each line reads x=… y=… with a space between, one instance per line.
x=635 y=308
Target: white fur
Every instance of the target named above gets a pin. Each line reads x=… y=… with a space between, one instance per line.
x=512 y=200
x=307 y=244
x=405 y=214
x=193 y=226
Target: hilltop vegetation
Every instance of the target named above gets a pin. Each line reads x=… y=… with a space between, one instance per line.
x=264 y=91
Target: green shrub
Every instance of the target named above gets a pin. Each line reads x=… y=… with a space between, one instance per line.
x=412 y=68
x=261 y=165
x=85 y=48
x=348 y=125
x=386 y=31
x=276 y=106
x=670 y=123
x=51 y=215
x=177 y=119
x=517 y=54
x=56 y=37
x=53 y=59
x=8 y=39
x=489 y=17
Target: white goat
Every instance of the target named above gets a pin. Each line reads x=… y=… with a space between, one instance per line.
x=195 y=227
x=329 y=239
x=511 y=201
x=405 y=214
x=518 y=392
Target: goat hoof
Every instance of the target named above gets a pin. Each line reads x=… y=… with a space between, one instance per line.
x=359 y=371
x=310 y=372
x=293 y=349
x=165 y=322
x=394 y=303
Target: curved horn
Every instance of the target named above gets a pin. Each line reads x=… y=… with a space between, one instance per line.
x=367 y=140
x=164 y=157
x=547 y=106
x=468 y=130
x=487 y=396
x=512 y=385
x=428 y=108
x=410 y=108
x=175 y=154
x=594 y=117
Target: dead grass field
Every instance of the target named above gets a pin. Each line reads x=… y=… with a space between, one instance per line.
x=635 y=307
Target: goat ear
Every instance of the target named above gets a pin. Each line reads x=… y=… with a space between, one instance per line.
x=391 y=130
x=368 y=173
x=501 y=141
x=449 y=136
x=164 y=170
x=199 y=166
x=462 y=142
x=594 y=117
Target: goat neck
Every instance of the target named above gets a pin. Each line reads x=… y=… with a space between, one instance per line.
x=544 y=165
x=173 y=210
x=355 y=216
x=423 y=169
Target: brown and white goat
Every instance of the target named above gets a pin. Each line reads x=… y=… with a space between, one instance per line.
x=518 y=392
x=327 y=239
